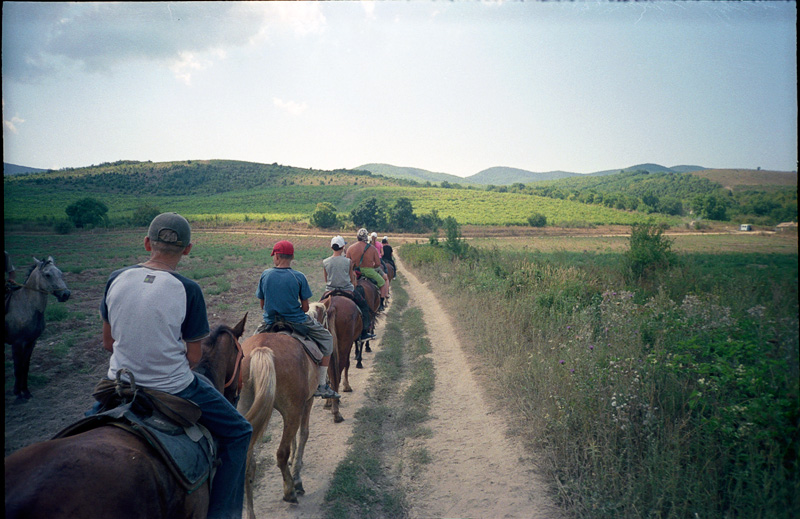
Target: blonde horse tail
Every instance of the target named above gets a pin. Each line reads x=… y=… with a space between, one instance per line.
x=260 y=387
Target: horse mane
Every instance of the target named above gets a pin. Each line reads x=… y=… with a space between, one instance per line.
x=315 y=309
x=204 y=366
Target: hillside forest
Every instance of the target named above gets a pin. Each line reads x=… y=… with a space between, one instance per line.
x=226 y=191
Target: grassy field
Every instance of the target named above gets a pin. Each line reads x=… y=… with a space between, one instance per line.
x=671 y=395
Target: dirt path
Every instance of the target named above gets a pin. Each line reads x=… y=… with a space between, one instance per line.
x=476 y=471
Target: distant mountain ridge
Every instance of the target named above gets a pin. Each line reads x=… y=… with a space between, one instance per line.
x=501 y=175
x=14 y=169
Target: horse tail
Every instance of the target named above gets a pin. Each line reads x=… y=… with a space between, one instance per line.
x=260 y=388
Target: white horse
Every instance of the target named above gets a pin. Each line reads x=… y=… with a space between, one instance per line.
x=25 y=308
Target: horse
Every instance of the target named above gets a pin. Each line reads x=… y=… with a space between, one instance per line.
x=390 y=271
x=346 y=316
x=277 y=373
x=25 y=308
x=109 y=472
x=373 y=297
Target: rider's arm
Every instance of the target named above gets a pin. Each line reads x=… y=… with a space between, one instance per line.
x=304 y=305
x=325 y=275
x=353 y=278
x=194 y=352
x=261 y=302
x=108 y=340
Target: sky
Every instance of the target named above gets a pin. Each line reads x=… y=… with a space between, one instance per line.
x=449 y=87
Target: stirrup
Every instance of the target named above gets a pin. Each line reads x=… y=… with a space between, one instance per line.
x=367 y=336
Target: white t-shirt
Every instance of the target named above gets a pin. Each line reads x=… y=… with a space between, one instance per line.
x=151 y=313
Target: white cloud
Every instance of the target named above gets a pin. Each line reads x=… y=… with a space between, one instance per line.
x=12 y=124
x=186 y=64
x=292 y=107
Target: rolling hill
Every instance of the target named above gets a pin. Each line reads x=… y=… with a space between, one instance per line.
x=13 y=169
x=504 y=176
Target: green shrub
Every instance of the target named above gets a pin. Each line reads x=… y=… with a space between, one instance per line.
x=649 y=250
x=87 y=212
x=324 y=216
x=144 y=214
x=537 y=220
x=63 y=227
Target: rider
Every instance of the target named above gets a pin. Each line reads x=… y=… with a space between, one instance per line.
x=283 y=294
x=387 y=253
x=338 y=273
x=373 y=240
x=154 y=320
x=366 y=258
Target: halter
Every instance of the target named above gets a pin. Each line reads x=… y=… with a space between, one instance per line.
x=26 y=287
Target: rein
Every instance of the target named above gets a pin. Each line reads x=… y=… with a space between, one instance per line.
x=237 y=370
x=26 y=287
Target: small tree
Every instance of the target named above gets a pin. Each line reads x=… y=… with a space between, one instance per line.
x=537 y=220
x=144 y=214
x=369 y=214
x=455 y=243
x=649 y=250
x=87 y=211
x=324 y=216
x=401 y=216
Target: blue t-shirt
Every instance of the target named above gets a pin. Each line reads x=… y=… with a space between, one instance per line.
x=282 y=289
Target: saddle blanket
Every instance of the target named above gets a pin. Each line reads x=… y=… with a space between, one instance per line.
x=189 y=452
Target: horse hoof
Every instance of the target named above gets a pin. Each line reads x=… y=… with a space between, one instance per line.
x=359 y=366
x=347 y=390
x=290 y=499
x=367 y=348
x=338 y=419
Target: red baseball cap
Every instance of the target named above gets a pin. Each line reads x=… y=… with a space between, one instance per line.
x=283 y=247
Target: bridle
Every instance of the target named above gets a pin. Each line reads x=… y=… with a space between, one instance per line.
x=238 y=365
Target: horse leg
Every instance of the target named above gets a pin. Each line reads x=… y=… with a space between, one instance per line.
x=22 y=362
x=300 y=447
x=290 y=426
x=346 y=379
x=367 y=348
x=359 y=346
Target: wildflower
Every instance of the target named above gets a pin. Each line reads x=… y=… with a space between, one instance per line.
x=572 y=370
x=591 y=346
x=561 y=362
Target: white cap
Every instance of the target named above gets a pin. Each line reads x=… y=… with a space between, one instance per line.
x=385 y=238
x=337 y=240
x=374 y=235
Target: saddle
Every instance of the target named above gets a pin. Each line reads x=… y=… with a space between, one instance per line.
x=166 y=422
x=299 y=332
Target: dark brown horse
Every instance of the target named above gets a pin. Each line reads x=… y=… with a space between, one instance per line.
x=25 y=308
x=373 y=296
x=109 y=472
x=390 y=272
x=277 y=373
x=344 y=312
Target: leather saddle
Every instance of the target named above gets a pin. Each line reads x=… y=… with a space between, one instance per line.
x=299 y=332
x=166 y=422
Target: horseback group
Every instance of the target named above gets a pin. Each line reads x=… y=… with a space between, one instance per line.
x=186 y=403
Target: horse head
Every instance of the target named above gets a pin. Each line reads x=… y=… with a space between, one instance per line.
x=50 y=279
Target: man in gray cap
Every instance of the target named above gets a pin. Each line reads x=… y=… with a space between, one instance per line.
x=154 y=320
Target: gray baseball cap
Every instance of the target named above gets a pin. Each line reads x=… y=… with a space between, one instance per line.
x=170 y=222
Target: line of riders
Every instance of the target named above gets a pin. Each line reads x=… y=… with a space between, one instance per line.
x=153 y=296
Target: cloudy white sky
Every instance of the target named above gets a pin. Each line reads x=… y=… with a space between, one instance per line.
x=451 y=87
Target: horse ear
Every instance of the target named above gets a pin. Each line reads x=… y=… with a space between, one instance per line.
x=36 y=261
x=238 y=330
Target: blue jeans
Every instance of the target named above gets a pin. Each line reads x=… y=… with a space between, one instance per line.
x=232 y=433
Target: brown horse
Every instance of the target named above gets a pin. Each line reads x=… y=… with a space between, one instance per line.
x=277 y=373
x=373 y=296
x=109 y=472
x=346 y=316
x=390 y=272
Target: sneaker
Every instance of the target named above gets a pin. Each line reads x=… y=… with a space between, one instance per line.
x=326 y=392
x=367 y=336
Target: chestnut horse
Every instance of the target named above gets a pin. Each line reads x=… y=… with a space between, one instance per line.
x=25 y=308
x=109 y=472
x=277 y=373
x=346 y=315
